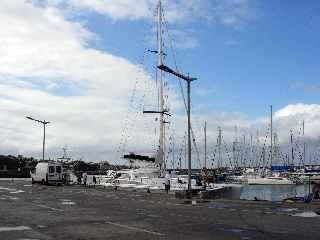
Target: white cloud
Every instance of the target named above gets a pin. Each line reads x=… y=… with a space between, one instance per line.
x=233 y=12
x=49 y=71
x=229 y=12
x=118 y=9
x=305 y=87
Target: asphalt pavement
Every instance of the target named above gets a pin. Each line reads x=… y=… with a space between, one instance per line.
x=33 y=212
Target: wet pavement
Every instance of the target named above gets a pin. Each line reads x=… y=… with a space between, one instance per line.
x=74 y=212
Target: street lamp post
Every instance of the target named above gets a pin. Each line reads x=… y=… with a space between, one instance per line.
x=44 y=132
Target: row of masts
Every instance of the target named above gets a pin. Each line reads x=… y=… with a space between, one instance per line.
x=250 y=151
x=161 y=68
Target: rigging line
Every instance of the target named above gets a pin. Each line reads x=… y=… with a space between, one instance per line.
x=227 y=151
x=173 y=52
x=129 y=114
x=133 y=118
x=126 y=122
x=263 y=148
x=214 y=153
x=138 y=110
x=147 y=87
x=125 y=128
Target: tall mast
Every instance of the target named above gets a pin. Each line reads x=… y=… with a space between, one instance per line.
x=185 y=151
x=160 y=76
x=235 y=148
x=219 y=147
x=205 y=144
x=304 y=144
x=188 y=79
x=173 y=150
x=271 y=137
x=292 y=153
x=251 y=150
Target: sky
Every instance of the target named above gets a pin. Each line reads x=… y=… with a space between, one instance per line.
x=83 y=66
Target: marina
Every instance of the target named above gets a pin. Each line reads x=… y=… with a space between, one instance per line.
x=176 y=120
x=75 y=212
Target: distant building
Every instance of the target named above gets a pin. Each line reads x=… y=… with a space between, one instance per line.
x=11 y=166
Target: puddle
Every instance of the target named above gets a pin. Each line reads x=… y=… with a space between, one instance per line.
x=286 y=210
x=234 y=230
x=217 y=205
x=306 y=214
x=242 y=233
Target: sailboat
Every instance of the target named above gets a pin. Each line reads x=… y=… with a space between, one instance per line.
x=265 y=177
x=149 y=174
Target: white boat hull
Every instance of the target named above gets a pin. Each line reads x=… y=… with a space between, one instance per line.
x=269 y=181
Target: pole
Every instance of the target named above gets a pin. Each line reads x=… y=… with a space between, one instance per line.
x=271 y=137
x=189 y=136
x=44 y=132
x=185 y=151
x=163 y=148
x=219 y=147
x=205 y=144
x=304 y=145
x=188 y=80
x=173 y=160
x=160 y=62
x=292 y=153
x=44 y=140
x=251 y=150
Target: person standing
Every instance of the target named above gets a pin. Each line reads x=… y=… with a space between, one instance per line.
x=167 y=182
x=84 y=179
x=94 y=181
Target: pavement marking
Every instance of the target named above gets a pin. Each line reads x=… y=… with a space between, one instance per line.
x=6 y=197
x=135 y=229
x=19 y=228
x=67 y=202
x=28 y=239
x=51 y=208
x=18 y=191
x=8 y=189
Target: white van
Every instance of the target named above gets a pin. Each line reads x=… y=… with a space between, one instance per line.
x=48 y=173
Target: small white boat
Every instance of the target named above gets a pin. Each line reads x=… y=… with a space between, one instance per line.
x=269 y=181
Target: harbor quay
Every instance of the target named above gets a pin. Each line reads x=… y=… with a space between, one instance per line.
x=34 y=211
